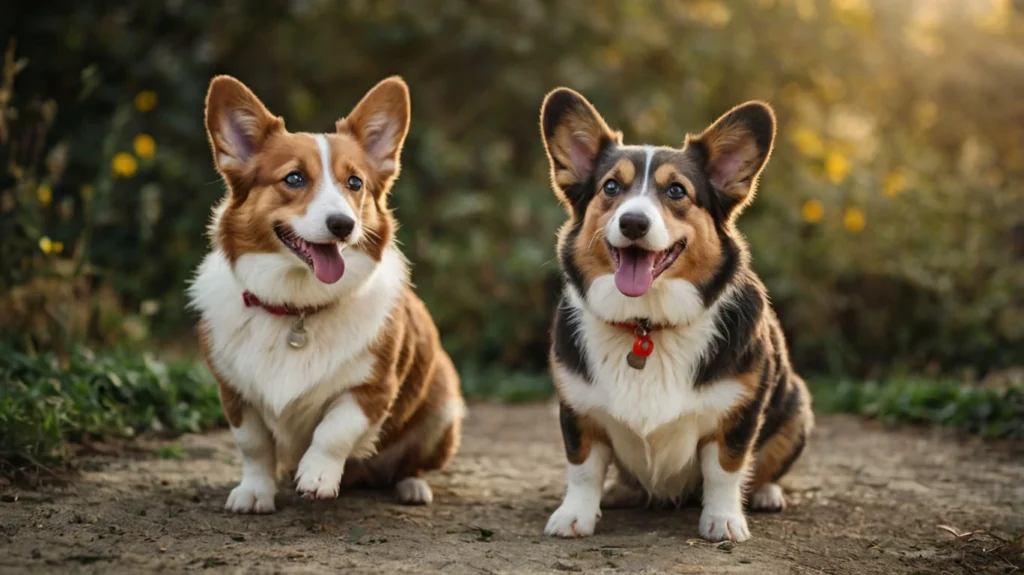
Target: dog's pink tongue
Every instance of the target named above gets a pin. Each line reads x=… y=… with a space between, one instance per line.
x=328 y=265
x=635 y=273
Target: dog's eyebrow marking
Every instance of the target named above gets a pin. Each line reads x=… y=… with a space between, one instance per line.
x=649 y=153
x=624 y=170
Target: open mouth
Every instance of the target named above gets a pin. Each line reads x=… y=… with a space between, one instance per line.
x=636 y=268
x=324 y=259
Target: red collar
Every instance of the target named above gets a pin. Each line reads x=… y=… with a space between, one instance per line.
x=252 y=301
x=639 y=327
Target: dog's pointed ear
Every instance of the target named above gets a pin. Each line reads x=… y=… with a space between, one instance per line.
x=735 y=148
x=574 y=135
x=237 y=123
x=380 y=122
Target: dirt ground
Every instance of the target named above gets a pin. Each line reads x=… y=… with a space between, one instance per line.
x=864 y=500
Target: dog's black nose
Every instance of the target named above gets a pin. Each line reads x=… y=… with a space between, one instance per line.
x=634 y=225
x=340 y=225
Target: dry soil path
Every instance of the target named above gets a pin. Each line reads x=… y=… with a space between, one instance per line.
x=864 y=500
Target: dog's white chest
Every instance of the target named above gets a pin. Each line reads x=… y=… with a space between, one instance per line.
x=664 y=461
x=249 y=346
x=654 y=416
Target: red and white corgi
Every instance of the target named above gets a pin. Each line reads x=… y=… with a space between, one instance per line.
x=667 y=357
x=329 y=366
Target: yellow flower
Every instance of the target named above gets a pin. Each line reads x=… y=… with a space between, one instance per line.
x=45 y=195
x=808 y=142
x=145 y=100
x=812 y=211
x=58 y=247
x=145 y=146
x=853 y=220
x=894 y=183
x=124 y=165
x=45 y=244
x=837 y=167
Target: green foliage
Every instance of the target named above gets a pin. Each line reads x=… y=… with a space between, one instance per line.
x=497 y=384
x=45 y=404
x=988 y=411
x=888 y=225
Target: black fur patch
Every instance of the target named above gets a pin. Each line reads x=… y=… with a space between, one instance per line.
x=564 y=344
x=726 y=272
x=572 y=437
x=797 y=450
x=739 y=437
x=570 y=270
x=737 y=348
x=782 y=406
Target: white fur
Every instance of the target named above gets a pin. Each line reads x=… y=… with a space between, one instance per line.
x=648 y=156
x=722 y=517
x=768 y=497
x=654 y=417
x=414 y=491
x=255 y=493
x=581 y=508
x=670 y=301
x=329 y=199
x=344 y=431
x=657 y=238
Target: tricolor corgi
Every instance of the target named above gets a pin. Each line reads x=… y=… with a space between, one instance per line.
x=666 y=354
x=329 y=366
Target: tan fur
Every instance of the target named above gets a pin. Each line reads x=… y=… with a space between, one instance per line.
x=778 y=451
x=413 y=381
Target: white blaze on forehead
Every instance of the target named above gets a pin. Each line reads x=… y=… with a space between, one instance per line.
x=657 y=238
x=648 y=156
x=329 y=199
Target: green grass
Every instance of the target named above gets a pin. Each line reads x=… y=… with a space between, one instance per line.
x=990 y=412
x=46 y=404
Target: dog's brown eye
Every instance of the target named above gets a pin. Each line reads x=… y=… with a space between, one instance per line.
x=676 y=192
x=355 y=184
x=295 y=180
x=611 y=187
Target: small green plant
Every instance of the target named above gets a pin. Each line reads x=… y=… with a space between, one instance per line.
x=47 y=403
x=987 y=411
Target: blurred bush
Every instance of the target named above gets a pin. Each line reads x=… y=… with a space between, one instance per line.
x=889 y=227
x=49 y=402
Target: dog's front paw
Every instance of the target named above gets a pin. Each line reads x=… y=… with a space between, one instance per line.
x=251 y=496
x=573 y=519
x=318 y=477
x=717 y=526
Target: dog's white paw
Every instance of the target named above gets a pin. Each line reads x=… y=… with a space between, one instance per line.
x=413 y=491
x=318 y=477
x=768 y=497
x=716 y=526
x=573 y=519
x=251 y=496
